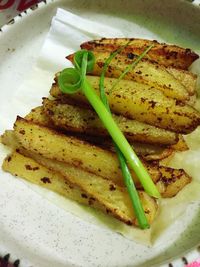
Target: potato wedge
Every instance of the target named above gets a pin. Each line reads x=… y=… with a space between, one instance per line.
x=77 y=119
x=140 y=102
x=171 y=181
x=37 y=115
x=9 y=139
x=181 y=145
x=144 y=72
x=164 y=54
x=54 y=145
x=146 y=151
x=188 y=79
x=151 y=152
x=50 y=144
x=192 y=101
x=27 y=168
x=98 y=192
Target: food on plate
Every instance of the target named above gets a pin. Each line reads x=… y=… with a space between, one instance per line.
x=82 y=120
x=78 y=187
x=68 y=149
x=161 y=53
x=65 y=146
x=168 y=180
x=188 y=79
x=143 y=103
x=145 y=72
x=29 y=169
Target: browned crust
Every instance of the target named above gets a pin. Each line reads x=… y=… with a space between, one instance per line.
x=167 y=55
x=173 y=181
x=180 y=111
x=86 y=126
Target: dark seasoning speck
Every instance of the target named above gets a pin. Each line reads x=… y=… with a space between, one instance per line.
x=46 y=180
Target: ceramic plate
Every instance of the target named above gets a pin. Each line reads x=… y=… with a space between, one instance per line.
x=24 y=230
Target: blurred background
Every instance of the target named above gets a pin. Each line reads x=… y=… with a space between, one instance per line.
x=10 y=8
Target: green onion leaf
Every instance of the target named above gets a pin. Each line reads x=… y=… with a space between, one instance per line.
x=105 y=66
x=131 y=66
x=78 y=59
x=119 y=139
x=110 y=125
x=135 y=200
x=69 y=81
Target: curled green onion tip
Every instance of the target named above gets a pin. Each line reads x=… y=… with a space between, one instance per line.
x=78 y=59
x=69 y=80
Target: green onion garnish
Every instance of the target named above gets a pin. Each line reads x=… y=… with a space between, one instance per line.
x=105 y=66
x=135 y=200
x=131 y=66
x=64 y=80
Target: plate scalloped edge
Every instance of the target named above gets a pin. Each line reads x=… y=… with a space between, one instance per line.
x=184 y=259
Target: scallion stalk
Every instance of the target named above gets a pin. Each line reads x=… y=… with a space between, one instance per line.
x=133 y=194
x=105 y=117
x=119 y=139
x=131 y=66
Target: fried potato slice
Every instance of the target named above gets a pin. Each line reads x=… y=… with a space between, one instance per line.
x=164 y=54
x=148 y=152
x=68 y=149
x=192 y=101
x=77 y=119
x=172 y=181
x=188 y=79
x=151 y=152
x=37 y=115
x=96 y=192
x=181 y=145
x=144 y=72
x=168 y=185
x=27 y=168
x=143 y=103
x=9 y=139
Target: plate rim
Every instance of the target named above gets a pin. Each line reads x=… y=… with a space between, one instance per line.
x=191 y=253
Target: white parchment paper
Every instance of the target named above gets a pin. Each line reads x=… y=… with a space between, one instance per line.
x=67 y=32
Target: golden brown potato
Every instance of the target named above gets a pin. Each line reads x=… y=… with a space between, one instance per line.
x=144 y=72
x=37 y=115
x=77 y=119
x=140 y=102
x=170 y=181
x=181 y=145
x=146 y=151
x=164 y=54
x=152 y=152
x=149 y=152
x=192 y=100
x=188 y=79
x=54 y=145
x=97 y=192
x=29 y=169
x=9 y=139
